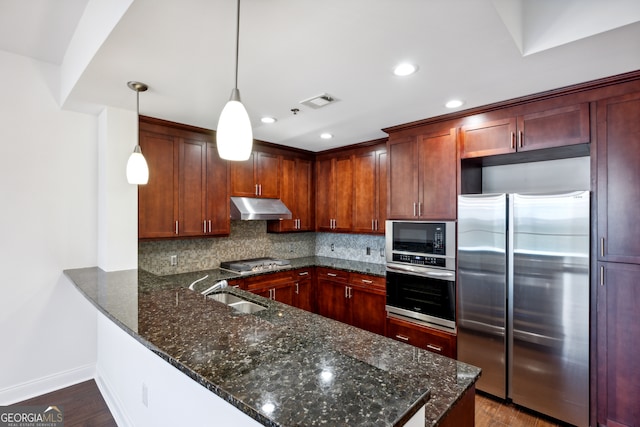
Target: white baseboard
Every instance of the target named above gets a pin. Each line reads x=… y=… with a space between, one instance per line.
x=39 y=386
x=111 y=399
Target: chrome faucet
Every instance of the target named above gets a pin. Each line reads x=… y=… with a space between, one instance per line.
x=219 y=285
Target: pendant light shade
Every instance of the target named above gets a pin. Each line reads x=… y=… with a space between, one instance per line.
x=137 y=168
x=234 y=136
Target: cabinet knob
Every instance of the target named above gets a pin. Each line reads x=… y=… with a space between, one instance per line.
x=403 y=338
x=434 y=348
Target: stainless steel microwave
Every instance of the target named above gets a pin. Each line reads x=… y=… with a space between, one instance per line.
x=425 y=243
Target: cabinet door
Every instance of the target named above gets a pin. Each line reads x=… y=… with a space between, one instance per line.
x=402 y=179
x=192 y=187
x=488 y=139
x=303 y=290
x=217 y=202
x=368 y=309
x=325 y=195
x=267 y=168
x=381 y=192
x=158 y=200
x=332 y=300
x=618 y=157
x=287 y=195
x=618 y=345
x=283 y=293
x=364 y=192
x=438 y=175
x=343 y=220
x=296 y=192
x=243 y=182
x=304 y=194
x=554 y=128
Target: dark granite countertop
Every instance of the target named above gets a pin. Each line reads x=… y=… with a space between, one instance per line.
x=309 y=369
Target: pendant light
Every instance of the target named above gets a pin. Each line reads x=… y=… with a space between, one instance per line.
x=137 y=169
x=234 y=136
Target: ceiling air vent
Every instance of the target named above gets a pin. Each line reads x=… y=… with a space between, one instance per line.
x=319 y=101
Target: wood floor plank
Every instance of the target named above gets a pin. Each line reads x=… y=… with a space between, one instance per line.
x=82 y=404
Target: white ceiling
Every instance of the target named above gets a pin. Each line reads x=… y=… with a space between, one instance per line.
x=480 y=51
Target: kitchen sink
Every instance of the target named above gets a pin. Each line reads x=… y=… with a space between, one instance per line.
x=237 y=303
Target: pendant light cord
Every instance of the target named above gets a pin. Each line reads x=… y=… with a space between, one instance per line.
x=237 y=41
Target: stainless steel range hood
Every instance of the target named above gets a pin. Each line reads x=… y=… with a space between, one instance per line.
x=248 y=208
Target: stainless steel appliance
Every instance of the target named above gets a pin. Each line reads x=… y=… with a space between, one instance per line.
x=421 y=278
x=254 y=265
x=523 y=301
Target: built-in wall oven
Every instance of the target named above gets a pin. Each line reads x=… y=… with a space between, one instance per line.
x=421 y=276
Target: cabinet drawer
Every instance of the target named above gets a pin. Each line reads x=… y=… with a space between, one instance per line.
x=333 y=275
x=268 y=280
x=367 y=281
x=420 y=336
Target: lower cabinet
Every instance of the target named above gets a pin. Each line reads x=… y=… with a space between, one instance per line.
x=352 y=298
x=303 y=289
x=618 y=344
x=276 y=286
x=421 y=336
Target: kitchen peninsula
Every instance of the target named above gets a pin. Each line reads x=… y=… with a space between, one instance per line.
x=281 y=366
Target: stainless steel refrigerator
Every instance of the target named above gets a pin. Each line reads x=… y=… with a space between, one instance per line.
x=523 y=298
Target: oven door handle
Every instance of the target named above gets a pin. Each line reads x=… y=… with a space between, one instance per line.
x=443 y=274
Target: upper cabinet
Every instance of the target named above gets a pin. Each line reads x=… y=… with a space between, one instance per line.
x=187 y=180
x=370 y=190
x=256 y=177
x=555 y=127
x=334 y=194
x=618 y=153
x=297 y=193
x=423 y=176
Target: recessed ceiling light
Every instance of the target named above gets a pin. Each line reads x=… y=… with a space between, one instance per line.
x=405 y=69
x=454 y=103
x=326 y=135
x=268 y=120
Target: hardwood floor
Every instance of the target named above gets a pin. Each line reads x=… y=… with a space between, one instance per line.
x=82 y=405
x=493 y=413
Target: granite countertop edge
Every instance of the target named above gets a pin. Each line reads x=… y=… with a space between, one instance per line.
x=434 y=408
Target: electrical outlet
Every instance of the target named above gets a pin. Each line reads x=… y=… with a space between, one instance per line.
x=174 y=260
x=368 y=250
x=145 y=395
x=333 y=248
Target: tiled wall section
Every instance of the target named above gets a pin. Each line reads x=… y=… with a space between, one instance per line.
x=351 y=246
x=249 y=239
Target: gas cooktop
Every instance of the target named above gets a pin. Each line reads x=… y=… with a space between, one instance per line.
x=254 y=265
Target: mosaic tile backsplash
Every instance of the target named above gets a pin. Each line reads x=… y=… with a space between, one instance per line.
x=249 y=239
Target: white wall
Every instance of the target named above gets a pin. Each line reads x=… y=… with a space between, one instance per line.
x=48 y=211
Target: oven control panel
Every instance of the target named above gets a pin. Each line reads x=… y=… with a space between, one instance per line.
x=420 y=260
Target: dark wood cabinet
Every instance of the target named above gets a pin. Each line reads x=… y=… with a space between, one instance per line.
x=303 y=289
x=334 y=194
x=618 y=253
x=423 y=176
x=555 y=127
x=370 y=190
x=421 y=336
x=618 y=171
x=297 y=193
x=158 y=200
x=352 y=298
x=618 y=344
x=276 y=286
x=187 y=180
x=331 y=294
x=368 y=297
x=256 y=177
